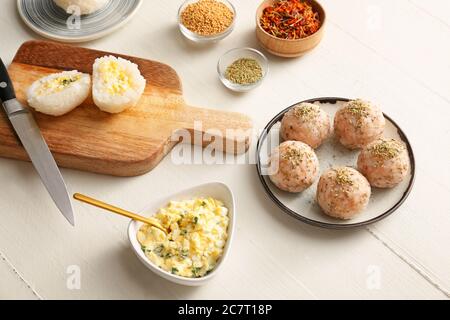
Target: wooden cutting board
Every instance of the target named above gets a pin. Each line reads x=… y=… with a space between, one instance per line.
x=127 y=144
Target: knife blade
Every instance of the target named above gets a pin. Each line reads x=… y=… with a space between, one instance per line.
x=32 y=140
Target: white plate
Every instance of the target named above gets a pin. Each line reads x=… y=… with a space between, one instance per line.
x=303 y=206
x=47 y=19
x=215 y=190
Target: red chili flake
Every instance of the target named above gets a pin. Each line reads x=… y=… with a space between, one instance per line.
x=290 y=19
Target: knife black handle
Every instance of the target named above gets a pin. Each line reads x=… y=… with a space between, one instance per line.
x=6 y=87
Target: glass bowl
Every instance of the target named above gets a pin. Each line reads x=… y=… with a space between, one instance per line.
x=231 y=56
x=201 y=38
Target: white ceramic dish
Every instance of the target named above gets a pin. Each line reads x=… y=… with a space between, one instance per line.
x=195 y=37
x=303 y=206
x=48 y=20
x=216 y=190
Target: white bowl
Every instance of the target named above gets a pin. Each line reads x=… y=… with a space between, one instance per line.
x=216 y=190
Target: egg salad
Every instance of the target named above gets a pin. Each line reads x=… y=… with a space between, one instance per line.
x=115 y=77
x=59 y=93
x=197 y=234
x=58 y=83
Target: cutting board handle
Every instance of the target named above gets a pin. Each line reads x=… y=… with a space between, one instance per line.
x=230 y=132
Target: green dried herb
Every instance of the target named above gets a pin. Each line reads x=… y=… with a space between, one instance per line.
x=387 y=149
x=294 y=156
x=360 y=110
x=343 y=177
x=65 y=82
x=244 y=71
x=306 y=111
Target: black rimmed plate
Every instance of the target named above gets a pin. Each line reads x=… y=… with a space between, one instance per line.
x=47 y=19
x=303 y=206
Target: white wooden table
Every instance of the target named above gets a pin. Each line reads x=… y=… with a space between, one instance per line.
x=393 y=52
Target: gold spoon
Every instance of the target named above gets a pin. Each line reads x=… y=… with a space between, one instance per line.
x=122 y=212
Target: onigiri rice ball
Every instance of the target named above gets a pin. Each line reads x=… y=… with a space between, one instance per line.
x=343 y=193
x=86 y=6
x=59 y=93
x=117 y=84
x=294 y=166
x=358 y=123
x=308 y=123
x=385 y=163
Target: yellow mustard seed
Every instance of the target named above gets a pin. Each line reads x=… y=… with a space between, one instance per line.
x=207 y=17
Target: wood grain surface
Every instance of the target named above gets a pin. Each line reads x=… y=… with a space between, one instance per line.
x=127 y=144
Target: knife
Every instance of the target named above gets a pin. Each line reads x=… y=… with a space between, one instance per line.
x=36 y=147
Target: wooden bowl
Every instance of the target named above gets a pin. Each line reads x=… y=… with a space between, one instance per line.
x=285 y=47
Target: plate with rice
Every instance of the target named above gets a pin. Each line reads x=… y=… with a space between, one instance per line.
x=76 y=20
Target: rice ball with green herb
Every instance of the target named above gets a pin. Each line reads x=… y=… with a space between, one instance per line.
x=293 y=166
x=343 y=193
x=385 y=163
x=308 y=123
x=358 y=123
